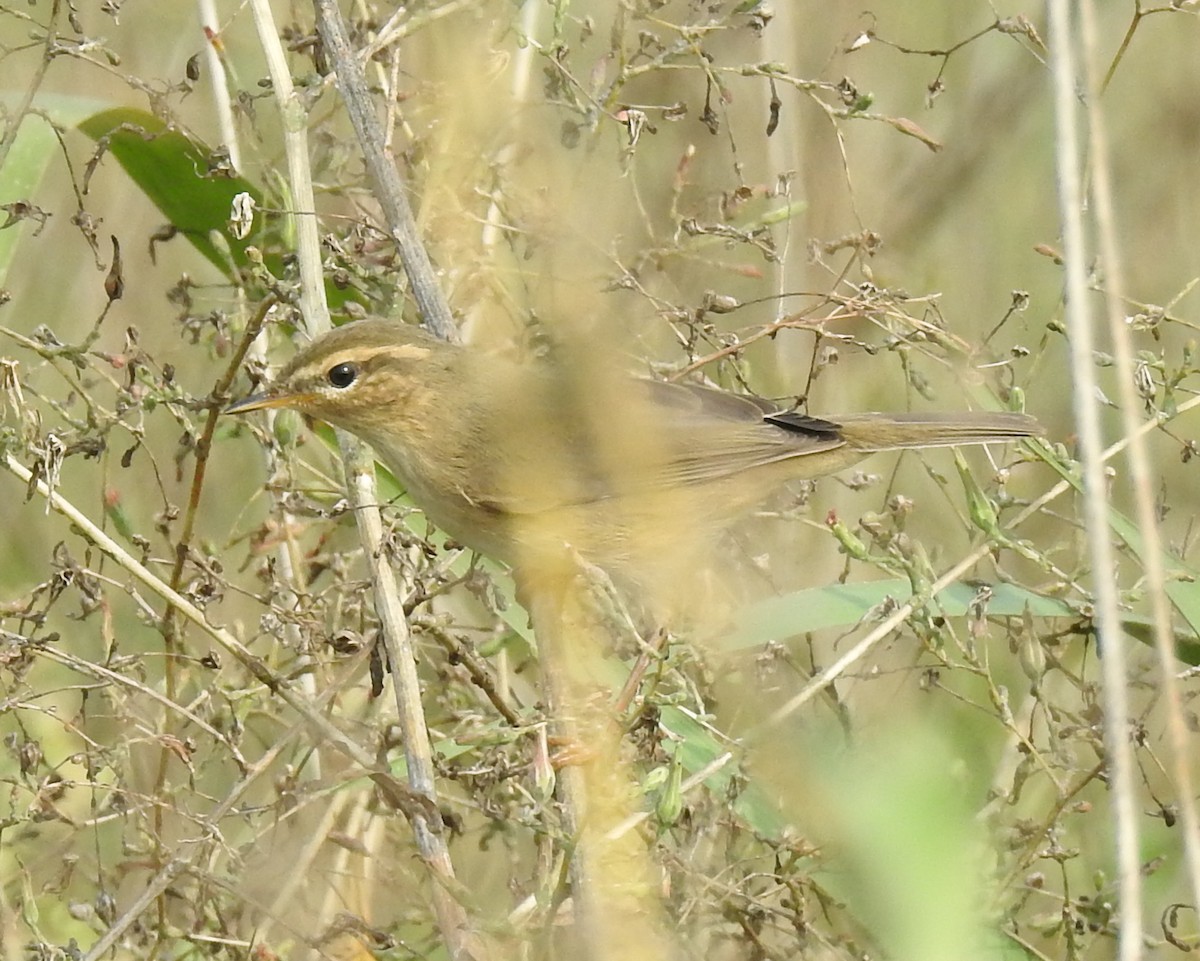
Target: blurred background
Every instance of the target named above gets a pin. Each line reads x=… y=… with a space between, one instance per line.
x=840 y=209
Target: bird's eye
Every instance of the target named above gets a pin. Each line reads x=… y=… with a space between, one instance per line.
x=342 y=375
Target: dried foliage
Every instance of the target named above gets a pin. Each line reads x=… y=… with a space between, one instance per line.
x=849 y=210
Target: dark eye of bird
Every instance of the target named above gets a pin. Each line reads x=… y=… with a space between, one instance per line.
x=342 y=375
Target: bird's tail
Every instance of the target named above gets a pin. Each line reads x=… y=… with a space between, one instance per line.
x=876 y=432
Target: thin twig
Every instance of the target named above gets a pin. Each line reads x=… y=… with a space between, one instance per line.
x=396 y=794
x=389 y=190
x=216 y=402
x=1141 y=472
x=170 y=621
x=1099 y=534
x=99 y=671
x=22 y=109
x=618 y=915
x=211 y=24
x=178 y=864
x=220 y=72
x=952 y=576
x=451 y=916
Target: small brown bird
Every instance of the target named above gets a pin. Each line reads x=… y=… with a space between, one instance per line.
x=532 y=463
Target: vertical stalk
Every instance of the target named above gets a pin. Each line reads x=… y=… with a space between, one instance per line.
x=1103 y=557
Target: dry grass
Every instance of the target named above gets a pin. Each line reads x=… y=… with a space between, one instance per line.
x=855 y=209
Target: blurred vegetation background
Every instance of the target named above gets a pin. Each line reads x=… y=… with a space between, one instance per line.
x=849 y=209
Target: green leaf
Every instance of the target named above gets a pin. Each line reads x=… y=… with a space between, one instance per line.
x=172 y=169
x=845 y=605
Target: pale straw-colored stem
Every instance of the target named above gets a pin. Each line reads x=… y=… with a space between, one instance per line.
x=1145 y=482
x=427 y=828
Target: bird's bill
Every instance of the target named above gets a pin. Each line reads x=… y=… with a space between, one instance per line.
x=264 y=401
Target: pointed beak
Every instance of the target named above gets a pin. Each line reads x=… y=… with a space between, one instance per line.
x=263 y=401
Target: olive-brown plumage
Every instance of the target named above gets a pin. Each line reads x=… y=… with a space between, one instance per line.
x=529 y=463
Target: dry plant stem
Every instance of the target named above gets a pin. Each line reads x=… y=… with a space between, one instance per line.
x=426 y=821
x=781 y=44
x=218 y=74
x=313 y=307
x=612 y=877
x=392 y=790
x=405 y=682
x=293 y=586
x=35 y=84
x=406 y=20
x=1144 y=481
x=521 y=70
x=1099 y=535
x=177 y=865
x=220 y=395
x=170 y=620
x=546 y=616
x=102 y=673
x=294 y=117
x=206 y=11
x=477 y=668
x=389 y=189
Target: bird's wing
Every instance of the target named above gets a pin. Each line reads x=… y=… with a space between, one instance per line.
x=570 y=447
x=713 y=434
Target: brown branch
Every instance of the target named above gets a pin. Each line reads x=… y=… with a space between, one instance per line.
x=389 y=188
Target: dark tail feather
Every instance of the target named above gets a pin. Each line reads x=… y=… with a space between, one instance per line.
x=875 y=432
